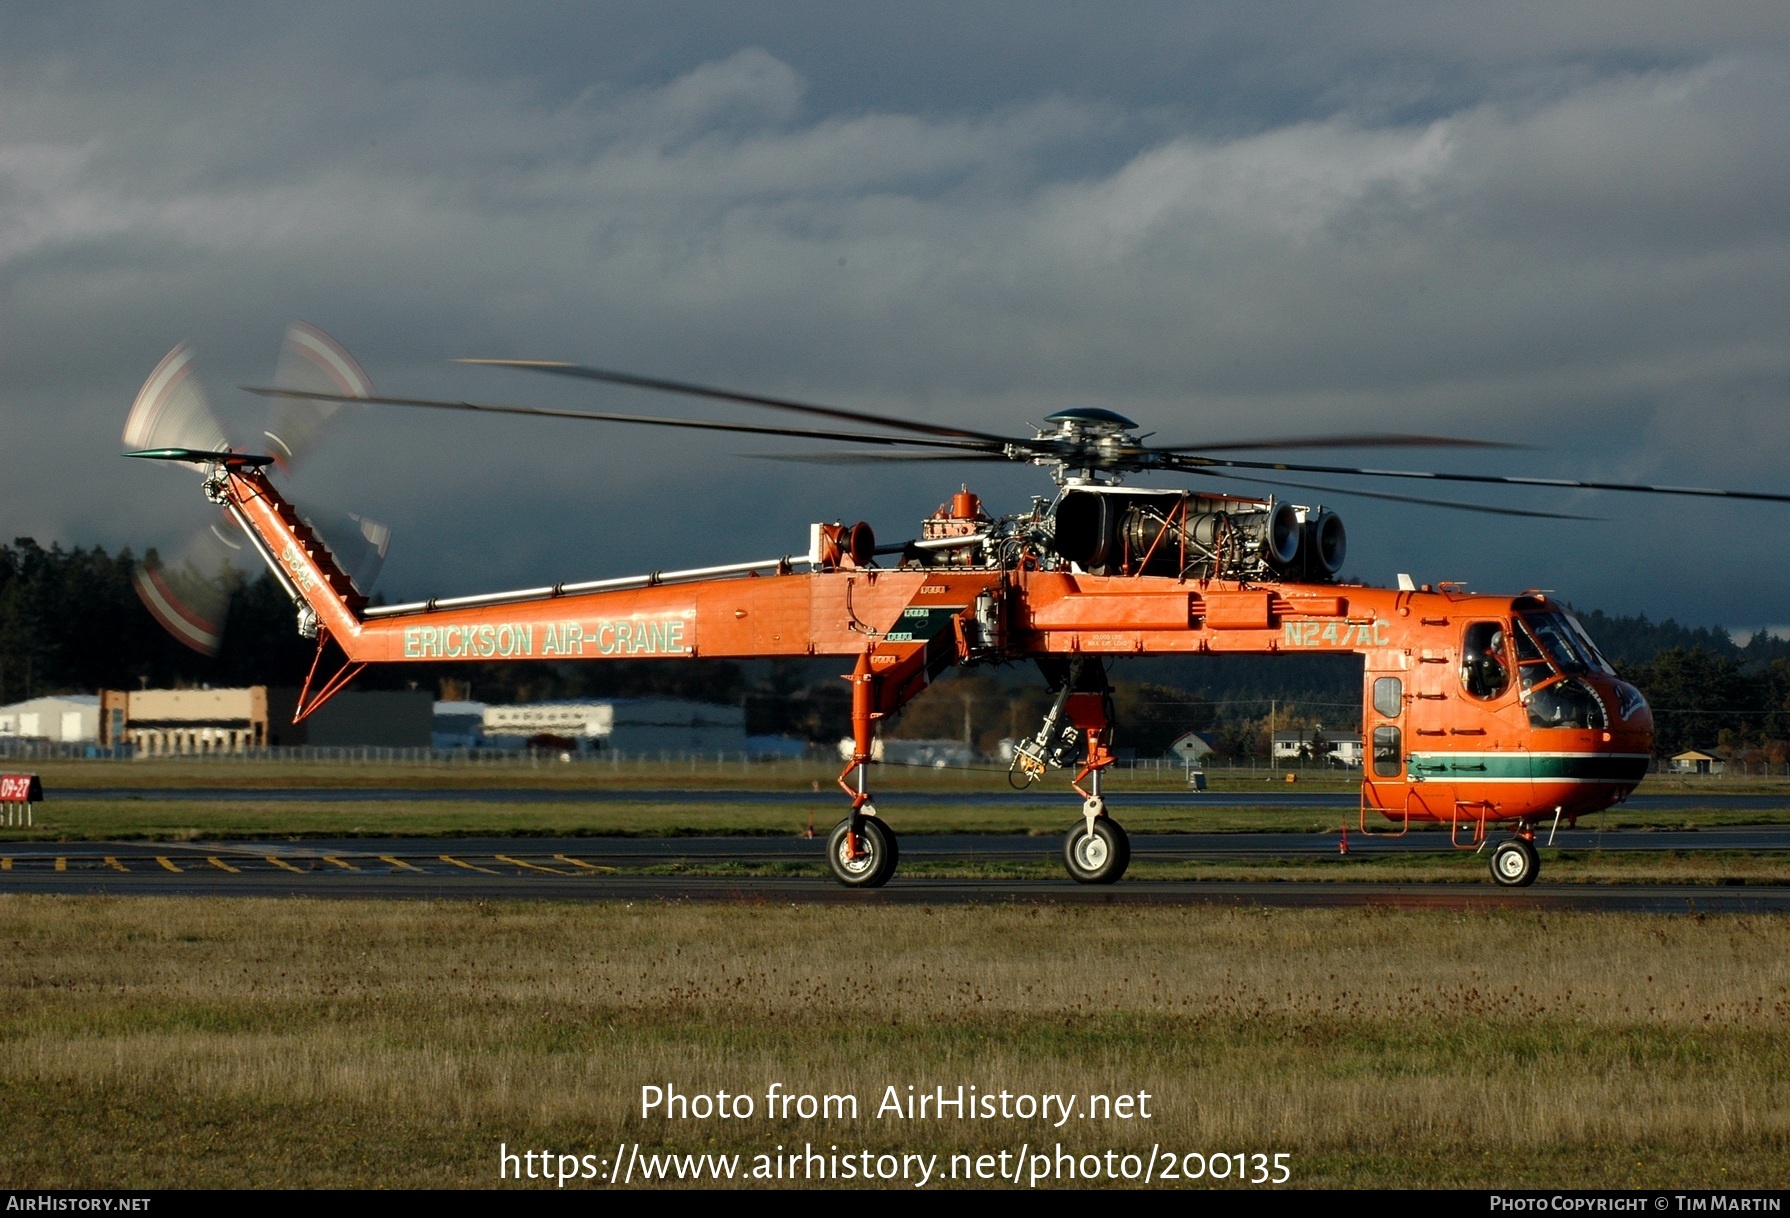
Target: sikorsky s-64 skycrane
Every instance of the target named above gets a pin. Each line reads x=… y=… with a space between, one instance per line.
x=1479 y=712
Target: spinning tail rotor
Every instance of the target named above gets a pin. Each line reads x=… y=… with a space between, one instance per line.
x=171 y=421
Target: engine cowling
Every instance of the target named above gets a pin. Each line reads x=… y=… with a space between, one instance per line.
x=1108 y=532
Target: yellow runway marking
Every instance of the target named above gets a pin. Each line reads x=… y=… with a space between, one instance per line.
x=386 y=858
x=448 y=858
x=115 y=864
x=581 y=863
x=163 y=860
x=504 y=858
x=283 y=864
x=221 y=865
x=61 y=864
x=330 y=858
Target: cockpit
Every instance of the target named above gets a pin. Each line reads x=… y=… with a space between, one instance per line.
x=1558 y=672
x=1564 y=680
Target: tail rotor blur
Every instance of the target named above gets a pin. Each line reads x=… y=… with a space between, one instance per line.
x=171 y=411
x=190 y=596
x=312 y=362
x=171 y=421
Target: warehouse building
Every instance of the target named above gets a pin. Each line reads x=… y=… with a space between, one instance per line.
x=634 y=726
x=68 y=719
x=178 y=722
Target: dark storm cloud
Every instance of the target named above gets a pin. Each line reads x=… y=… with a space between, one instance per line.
x=1560 y=227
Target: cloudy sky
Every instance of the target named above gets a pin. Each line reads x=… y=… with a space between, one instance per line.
x=1565 y=226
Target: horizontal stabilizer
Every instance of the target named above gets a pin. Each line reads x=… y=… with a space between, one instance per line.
x=198 y=457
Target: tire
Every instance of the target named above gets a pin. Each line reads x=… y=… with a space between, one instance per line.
x=1101 y=859
x=1515 y=864
x=878 y=853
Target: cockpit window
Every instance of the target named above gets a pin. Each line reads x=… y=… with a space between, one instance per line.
x=1565 y=642
x=1485 y=670
x=1585 y=643
x=1567 y=703
x=1532 y=666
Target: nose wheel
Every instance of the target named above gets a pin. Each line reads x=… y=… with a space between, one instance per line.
x=1515 y=864
x=864 y=856
x=1097 y=851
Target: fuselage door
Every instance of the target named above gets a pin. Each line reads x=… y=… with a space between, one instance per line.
x=1383 y=743
x=1492 y=763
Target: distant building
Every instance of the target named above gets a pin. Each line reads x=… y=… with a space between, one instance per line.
x=374 y=718
x=788 y=748
x=625 y=725
x=1340 y=749
x=938 y=754
x=70 y=718
x=458 y=725
x=1191 y=748
x=167 y=722
x=1696 y=761
x=164 y=722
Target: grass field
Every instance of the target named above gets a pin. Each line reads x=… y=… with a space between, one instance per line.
x=165 y=1042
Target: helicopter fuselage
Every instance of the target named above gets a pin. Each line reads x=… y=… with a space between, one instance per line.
x=1477 y=709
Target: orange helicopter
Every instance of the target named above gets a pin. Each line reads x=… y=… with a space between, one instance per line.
x=1479 y=712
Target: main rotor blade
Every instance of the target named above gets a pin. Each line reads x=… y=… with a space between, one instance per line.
x=644 y=420
x=1199 y=463
x=1441 y=503
x=870 y=458
x=584 y=372
x=1365 y=440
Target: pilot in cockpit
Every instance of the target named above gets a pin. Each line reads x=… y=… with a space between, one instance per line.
x=1482 y=666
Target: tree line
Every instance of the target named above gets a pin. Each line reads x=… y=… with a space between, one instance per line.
x=71 y=622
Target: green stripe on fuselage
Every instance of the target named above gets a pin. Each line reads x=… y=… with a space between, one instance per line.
x=1519 y=766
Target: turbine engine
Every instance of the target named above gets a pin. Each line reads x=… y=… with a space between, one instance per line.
x=1107 y=531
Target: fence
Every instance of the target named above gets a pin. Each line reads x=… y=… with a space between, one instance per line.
x=16 y=749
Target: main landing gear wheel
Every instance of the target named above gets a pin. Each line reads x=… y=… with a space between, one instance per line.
x=1515 y=863
x=871 y=862
x=1099 y=857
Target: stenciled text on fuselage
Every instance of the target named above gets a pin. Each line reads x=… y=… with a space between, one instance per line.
x=631 y=636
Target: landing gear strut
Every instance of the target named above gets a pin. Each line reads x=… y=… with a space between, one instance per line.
x=861 y=850
x=1098 y=849
x=1515 y=863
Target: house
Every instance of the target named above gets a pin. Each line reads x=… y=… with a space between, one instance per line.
x=1314 y=744
x=1192 y=748
x=1696 y=761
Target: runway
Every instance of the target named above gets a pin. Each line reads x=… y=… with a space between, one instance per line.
x=827 y=797
x=586 y=869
